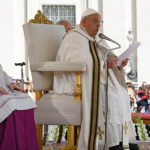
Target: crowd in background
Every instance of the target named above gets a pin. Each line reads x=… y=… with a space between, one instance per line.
x=27 y=87
x=139 y=99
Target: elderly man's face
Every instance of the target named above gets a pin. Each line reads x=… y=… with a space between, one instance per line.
x=92 y=24
x=144 y=85
x=67 y=26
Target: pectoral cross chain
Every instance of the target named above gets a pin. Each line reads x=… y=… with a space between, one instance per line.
x=126 y=127
x=100 y=132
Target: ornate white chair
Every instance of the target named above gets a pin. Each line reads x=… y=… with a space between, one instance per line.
x=42 y=42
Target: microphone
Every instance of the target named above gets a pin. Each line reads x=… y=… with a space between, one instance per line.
x=102 y=36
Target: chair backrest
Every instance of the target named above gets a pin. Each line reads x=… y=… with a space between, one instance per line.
x=42 y=42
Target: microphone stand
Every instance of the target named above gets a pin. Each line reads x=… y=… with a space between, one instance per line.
x=106 y=93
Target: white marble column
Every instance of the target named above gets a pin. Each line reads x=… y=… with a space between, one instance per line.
x=143 y=36
x=27 y=67
x=7 y=36
x=19 y=35
x=84 y=5
x=134 y=32
x=100 y=10
x=131 y=26
x=115 y=22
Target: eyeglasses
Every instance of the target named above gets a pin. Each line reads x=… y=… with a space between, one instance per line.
x=96 y=22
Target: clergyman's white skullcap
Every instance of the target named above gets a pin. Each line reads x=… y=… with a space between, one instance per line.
x=88 y=12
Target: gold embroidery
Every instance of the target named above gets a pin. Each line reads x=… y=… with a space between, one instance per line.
x=100 y=132
x=78 y=86
x=94 y=96
x=77 y=32
x=126 y=128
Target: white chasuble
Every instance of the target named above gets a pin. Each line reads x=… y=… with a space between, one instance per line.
x=12 y=101
x=119 y=115
x=78 y=46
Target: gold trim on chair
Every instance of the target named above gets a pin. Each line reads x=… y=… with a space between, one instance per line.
x=71 y=145
x=40 y=18
x=78 y=133
x=38 y=95
x=78 y=88
x=73 y=133
x=39 y=135
x=39 y=127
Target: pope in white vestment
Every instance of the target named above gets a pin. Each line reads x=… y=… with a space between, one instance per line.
x=80 y=45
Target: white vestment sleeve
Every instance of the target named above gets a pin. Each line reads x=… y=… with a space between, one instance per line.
x=8 y=79
x=71 y=50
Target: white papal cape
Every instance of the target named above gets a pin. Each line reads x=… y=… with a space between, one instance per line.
x=78 y=46
x=12 y=101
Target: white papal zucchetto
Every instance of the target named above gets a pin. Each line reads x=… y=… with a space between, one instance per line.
x=88 y=12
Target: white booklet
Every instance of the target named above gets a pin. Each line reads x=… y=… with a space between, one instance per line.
x=128 y=52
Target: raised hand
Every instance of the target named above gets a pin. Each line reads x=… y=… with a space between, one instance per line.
x=113 y=62
x=3 y=91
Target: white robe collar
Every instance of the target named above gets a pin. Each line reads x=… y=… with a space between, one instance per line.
x=82 y=31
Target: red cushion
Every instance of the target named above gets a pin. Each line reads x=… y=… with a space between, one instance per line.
x=142 y=115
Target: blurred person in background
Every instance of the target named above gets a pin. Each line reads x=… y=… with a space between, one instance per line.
x=142 y=92
x=66 y=24
x=132 y=94
x=148 y=110
x=128 y=84
x=143 y=104
x=147 y=126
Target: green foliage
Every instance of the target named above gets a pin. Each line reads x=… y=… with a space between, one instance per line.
x=56 y=132
x=47 y=138
x=140 y=125
x=64 y=130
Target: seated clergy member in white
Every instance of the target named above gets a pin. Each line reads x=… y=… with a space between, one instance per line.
x=17 y=125
x=79 y=45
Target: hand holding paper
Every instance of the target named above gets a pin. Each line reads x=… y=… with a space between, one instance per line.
x=128 y=52
x=124 y=62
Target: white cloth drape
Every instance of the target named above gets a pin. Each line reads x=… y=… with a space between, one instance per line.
x=12 y=101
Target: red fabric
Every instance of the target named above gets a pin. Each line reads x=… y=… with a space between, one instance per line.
x=143 y=97
x=18 y=132
x=140 y=91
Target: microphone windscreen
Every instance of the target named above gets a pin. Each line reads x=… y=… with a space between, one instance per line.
x=102 y=36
